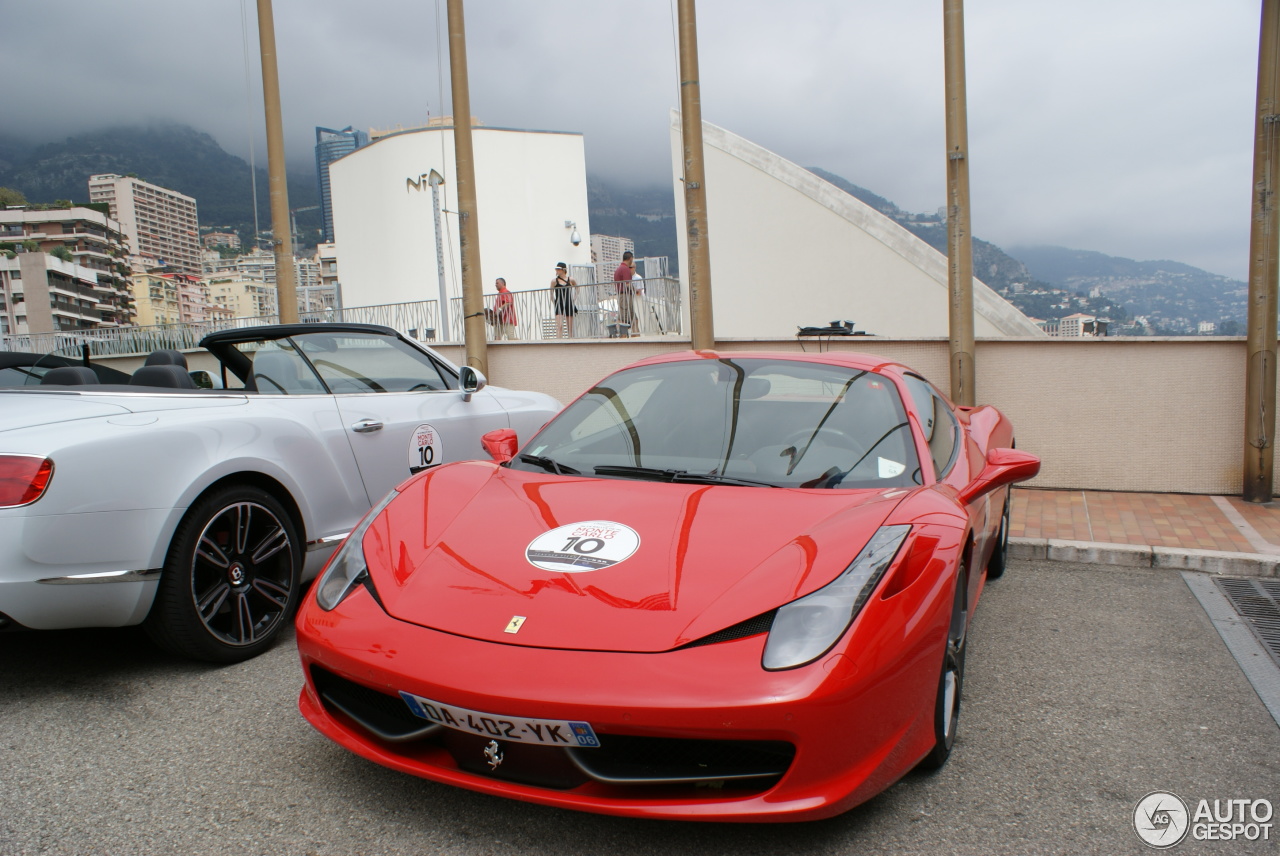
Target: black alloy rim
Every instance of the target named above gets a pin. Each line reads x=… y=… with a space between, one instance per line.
x=242 y=573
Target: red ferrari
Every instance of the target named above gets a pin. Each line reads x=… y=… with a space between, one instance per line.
x=717 y=586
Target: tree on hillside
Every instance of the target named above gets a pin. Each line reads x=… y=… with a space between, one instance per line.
x=9 y=196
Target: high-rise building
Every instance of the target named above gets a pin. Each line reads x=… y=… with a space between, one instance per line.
x=161 y=224
x=85 y=286
x=606 y=254
x=331 y=145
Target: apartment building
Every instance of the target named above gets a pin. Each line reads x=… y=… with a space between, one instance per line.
x=606 y=254
x=161 y=224
x=93 y=248
x=40 y=293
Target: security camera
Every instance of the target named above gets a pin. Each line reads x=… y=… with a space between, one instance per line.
x=575 y=238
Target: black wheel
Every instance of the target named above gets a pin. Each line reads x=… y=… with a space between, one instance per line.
x=1000 y=555
x=946 y=709
x=231 y=578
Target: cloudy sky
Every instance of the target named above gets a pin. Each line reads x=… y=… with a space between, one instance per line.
x=1122 y=126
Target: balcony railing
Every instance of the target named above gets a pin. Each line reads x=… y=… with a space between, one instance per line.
x=600 y=315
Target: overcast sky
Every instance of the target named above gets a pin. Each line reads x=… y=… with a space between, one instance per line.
x=1122 y=126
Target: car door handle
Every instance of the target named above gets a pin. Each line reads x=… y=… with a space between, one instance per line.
x=366 y=426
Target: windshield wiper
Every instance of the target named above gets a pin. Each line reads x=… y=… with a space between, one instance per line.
x=550 y=465
x=675 y=475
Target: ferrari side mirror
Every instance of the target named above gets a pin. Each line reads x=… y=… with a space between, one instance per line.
x=501 y=444
x=1004 y=466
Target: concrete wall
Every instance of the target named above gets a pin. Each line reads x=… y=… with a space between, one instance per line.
x=789 y=250
x=528 y=184
x=1164 y=415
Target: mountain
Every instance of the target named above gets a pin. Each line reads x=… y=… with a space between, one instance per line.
x=174 y=156
x=1002 y=272
x=647 y=217
x=1174 y=296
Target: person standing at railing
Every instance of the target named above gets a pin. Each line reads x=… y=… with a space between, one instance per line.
x=504 y=312
x=562 y=295
x=626 y=304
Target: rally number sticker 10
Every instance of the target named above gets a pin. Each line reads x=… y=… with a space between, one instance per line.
x=591 y=545
x=425 y=449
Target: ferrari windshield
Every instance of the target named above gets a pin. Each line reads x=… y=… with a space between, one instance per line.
x=774 y=423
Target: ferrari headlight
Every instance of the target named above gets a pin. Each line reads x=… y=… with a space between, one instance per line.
x=348 y=567
x=805 y=629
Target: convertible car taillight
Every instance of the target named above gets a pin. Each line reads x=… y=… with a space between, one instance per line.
x=23 y=479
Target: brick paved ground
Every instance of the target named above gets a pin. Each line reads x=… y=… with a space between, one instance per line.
x=1151 y=519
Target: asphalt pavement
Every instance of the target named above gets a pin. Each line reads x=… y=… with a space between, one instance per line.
x=1087 y=688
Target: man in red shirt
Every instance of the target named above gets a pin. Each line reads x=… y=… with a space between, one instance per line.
x=626 y=294
x=504 y=312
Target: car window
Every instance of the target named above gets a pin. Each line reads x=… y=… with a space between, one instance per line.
x=784 y=423
x=278 y=369
x=936 y=421
x=357 y=363
x=22 y=376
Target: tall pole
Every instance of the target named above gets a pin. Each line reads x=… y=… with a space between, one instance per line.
x=1264 y=247
x=702 y=334
x=435 y=179
x=959 y=238
x=281 y=237
x=468 y=227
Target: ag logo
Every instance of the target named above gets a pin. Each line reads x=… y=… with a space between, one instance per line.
x=580 y=547
x=1161 y=820
x=425 y=449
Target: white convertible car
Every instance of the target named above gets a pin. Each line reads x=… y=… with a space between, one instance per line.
x=197 y=503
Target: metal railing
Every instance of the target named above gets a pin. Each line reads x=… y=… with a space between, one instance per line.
x=600 y=313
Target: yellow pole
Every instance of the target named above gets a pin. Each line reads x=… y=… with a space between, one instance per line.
x=702 y=332
x=468 y=227
x=959 y=237
x=1264 y=246
x=281 y=237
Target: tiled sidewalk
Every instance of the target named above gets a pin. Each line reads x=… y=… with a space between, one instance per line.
x=1158 y=523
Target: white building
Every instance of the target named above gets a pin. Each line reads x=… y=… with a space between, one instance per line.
x=790 y=250
x=161 y=224
x=528 y=185
x=1081 y=324
x=606 y=253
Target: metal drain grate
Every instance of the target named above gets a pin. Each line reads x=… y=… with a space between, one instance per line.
x=1258 y=603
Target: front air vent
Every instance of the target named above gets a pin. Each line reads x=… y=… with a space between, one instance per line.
x=741 y=630
x=383 y=715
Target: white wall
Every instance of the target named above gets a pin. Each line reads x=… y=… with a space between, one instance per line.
x=528 y=183
x=790 y=250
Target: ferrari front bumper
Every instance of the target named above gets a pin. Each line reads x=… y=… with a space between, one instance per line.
x=844 y=730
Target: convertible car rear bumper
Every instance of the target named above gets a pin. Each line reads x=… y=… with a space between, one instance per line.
x=79 y=570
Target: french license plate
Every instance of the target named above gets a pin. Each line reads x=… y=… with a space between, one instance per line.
x=541 y=732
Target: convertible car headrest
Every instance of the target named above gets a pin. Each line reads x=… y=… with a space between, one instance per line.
x=69 y=376
x=173 y=377
x=166 y=357
x=275 y=373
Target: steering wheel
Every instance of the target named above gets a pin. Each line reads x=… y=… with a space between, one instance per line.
x=419 y=386
x=826 y=435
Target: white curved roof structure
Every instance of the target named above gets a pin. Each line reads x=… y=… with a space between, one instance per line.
x=789 y=250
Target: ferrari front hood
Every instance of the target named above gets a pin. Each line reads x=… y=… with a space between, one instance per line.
x=606 y=564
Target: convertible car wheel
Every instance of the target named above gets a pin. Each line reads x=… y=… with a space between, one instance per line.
x=1000 y=555
x=231 y=578
x=946 y=712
